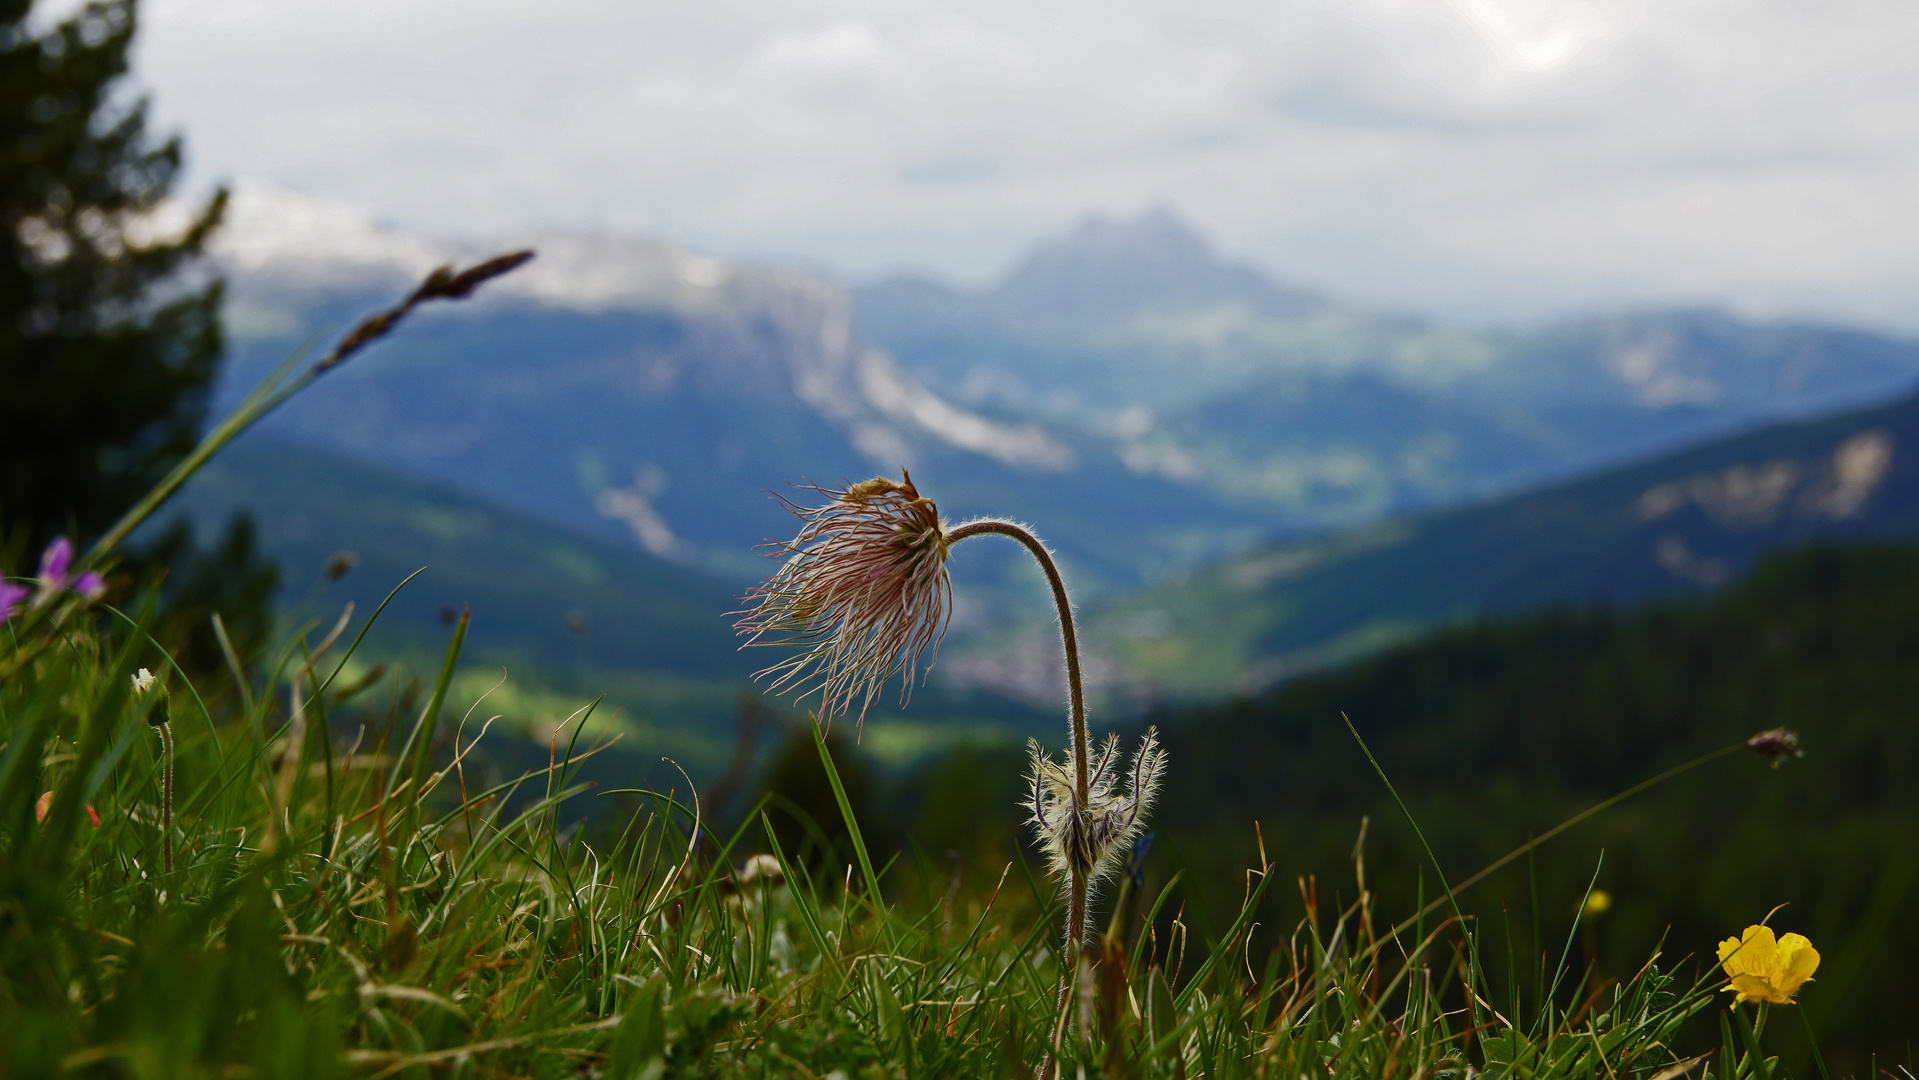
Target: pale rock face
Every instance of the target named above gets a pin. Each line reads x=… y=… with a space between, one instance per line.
x=1756 y=495
x=1653 y=365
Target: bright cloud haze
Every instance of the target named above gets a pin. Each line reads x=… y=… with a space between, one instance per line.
x=1478 y=159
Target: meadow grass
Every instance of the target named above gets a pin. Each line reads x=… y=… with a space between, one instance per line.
x=266 y=871
x=351 y=893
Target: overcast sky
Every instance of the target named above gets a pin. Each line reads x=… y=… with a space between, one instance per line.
x=1480 y=159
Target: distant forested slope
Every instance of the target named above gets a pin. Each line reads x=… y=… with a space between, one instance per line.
x=1497 y=731
x=1685 y=521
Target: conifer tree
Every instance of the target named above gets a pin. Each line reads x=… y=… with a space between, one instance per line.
x=109 y=329
x=108 y=347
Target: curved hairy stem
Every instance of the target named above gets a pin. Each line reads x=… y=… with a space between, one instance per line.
x=166 y=798
x=1082 y=784
x=1068 y=637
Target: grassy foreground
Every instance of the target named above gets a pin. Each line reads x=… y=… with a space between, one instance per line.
x=350 y=893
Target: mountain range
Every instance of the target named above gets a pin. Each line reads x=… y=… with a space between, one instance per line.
x=1317 y=412
x=1151 y=406
x=1242 y=477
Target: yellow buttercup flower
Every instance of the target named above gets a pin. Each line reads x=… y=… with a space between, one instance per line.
x=1763 y=968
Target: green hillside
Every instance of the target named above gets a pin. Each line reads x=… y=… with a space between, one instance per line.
x=523 y=577
x=1684 y=521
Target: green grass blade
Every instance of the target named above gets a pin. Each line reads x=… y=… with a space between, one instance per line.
x=371 y=619
x=852 y=829
x=1812 y=1040
x=1755 y=1056
x=419 y=743
x=1226 y=943
x=797 y=889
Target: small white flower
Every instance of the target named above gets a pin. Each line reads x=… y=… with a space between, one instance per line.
x=142 y=681
x=762 y=868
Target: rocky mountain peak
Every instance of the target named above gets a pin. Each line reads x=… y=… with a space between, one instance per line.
x=1110 y=266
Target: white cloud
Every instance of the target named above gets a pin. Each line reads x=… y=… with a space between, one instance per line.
x=840 y=46
x=1480 y=157
x=1535 y=35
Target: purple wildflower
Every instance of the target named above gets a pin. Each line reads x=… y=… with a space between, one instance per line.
x=56 y=562
x=90 y=585
x=10 y=597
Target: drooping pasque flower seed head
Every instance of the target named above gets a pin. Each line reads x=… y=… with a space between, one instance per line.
x=1089 y=842
x=863 y=594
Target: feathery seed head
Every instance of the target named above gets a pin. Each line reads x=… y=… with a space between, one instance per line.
x=1091 y=841
x=863 y=594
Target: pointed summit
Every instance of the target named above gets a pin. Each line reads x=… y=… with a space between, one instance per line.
x=1109 y=267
